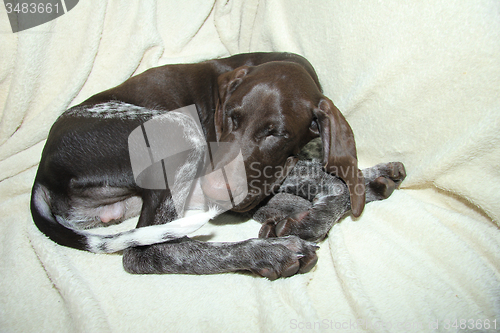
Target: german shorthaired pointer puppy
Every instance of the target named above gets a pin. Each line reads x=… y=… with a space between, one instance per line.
x=268 y=105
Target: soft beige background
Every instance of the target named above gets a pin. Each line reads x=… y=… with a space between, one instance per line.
x=418 y=81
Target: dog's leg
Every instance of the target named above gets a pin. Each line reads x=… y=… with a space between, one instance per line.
x=312 y=224
x=309 y=203
x=157 y=208
x=310 y=211
x=271 y=258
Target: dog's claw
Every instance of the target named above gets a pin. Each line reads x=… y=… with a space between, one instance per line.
x=268 y=273
x=300 y=255
x=291 y=270
x=281 y=228
x=307 y=265
x=267 y=231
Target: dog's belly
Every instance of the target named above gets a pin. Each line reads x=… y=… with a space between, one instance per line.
x=99 y=206
x=102 y=206
x=120 y=210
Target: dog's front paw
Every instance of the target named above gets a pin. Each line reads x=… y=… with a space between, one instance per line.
x=282 y=256
x=298 y=224
x=383 y=179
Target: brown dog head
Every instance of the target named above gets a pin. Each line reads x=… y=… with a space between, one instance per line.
x=269 y=112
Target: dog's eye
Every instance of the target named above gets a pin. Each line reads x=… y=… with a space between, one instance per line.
x=314 y=126
x=235 y=121
x=273 y=132
x=270 y=131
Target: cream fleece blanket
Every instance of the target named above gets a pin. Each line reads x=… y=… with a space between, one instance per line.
x=419 y=83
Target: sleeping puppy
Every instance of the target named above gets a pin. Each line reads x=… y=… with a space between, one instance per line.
x=256 y=111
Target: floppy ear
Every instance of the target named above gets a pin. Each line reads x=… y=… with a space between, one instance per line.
x=339 y=151
x=228 y=82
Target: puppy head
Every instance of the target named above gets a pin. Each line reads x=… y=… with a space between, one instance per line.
x=269 y=112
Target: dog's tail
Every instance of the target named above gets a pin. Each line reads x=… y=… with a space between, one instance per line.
x=83 y=240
